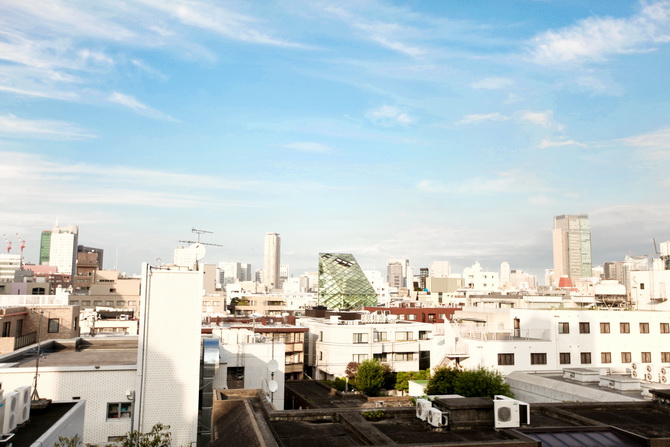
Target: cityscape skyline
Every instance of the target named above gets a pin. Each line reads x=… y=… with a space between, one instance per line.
x=428 y=131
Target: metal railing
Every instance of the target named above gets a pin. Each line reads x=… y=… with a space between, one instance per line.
x=25 y=340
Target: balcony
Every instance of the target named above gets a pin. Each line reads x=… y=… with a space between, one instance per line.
x=25 y=340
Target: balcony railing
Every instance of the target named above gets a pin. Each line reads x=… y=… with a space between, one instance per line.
x=25 y=340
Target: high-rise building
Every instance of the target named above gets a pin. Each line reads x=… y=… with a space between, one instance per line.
x=504 y=273
x=45 y=247
x=394 y=275
x=404 y=263
x=572 y=246
x=440 y=269
x=271 y=260
x=342 y=283
x=62 y=243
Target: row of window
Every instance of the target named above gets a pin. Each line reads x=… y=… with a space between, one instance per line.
x=624 y=328
x=384 y=357
x=99 y=303
x=363 y=337
x=540 y=358
x=212 y=303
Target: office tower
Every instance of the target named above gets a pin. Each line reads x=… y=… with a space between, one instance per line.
x=404 y=263
x=45 y=246
x=342 y=283
x=245 y=272
x=394 y=275
x=504 y=273
x=62 y=242
x=440 y=269
x=572 y=246
x=230 y=272
x=423 y=274
x=271 y=260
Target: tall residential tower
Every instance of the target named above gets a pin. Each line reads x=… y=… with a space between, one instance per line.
x=572 y=246
x=271 y=260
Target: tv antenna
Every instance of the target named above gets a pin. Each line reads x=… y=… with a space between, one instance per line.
x=200 y=232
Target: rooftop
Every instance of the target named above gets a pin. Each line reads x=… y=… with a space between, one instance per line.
x=103 y=351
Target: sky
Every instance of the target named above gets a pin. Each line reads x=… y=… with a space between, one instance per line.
x=426 y=130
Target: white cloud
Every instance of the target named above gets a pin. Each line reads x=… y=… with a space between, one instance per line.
x=307 y=146
x=659 y=139
x=134 y=104
x=389 y=115
x=597 y=38
x=546 y=143
x=42 y=129
x=544 y=118
x=477 y=118
x=510 y=182
x=492 y=83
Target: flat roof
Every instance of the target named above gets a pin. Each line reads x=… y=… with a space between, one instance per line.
x=103 y=351
x=41 y=420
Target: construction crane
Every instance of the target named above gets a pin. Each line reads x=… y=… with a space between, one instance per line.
x=9 y=243
x=22 y=243
x=200 y=232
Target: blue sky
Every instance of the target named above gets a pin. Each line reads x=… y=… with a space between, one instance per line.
x=432 y=130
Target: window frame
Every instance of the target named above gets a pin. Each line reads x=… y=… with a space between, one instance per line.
x=563 y=327
x=53 y=323
x=360 y=338
x=604 y=328
x=562 y=357
x=605 y=357
x=664 y=328
x=645 y=357
x=644 y=328
x=665 y=357
x=624 y=327
x=584 y=327
x=121 y=414
x=585 y=358
x=626 y=357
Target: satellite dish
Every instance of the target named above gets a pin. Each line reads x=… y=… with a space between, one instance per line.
x=273 y=365
x=198 y=251
x=273 y=386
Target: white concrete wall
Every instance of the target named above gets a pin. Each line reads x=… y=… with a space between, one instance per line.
x=168 y=365
x=97 y=387
x=69 y=426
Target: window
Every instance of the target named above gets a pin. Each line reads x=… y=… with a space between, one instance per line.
x=625 y=357
x=320 y=355
x=584 y=328
x=118 y=410
x=605 y=357
x=206 y=303
x=431 y=318
x=19 y=327
x=641 y=286
x=358 y=358
x=360 y=338
x=404 y=356
x=381 y=336
x=216 y=303
x=563 y=328
x=321 y=335
x=6 y=328
x=505 y=359
x=604 y=328
x=423 y=335
x=644 y=328
x=76 y=323
x=585 y=358
x=665 y=357
x=624 y=328
x=53 y=325
x=403 y=336
x=86 y=302
x=538 y=358
x=564 y=358
x=665 y=328
x=97 y=303
x=383 y=357
x=645 y=357
x=120 y=303
x=74 y=302
x=109 y=303
x=411 y=317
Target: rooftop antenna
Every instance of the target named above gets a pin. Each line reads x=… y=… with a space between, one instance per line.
x=197 y=247
x=9 y=243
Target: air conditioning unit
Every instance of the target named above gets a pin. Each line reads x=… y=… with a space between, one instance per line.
x=510 y=413
x=635 y=366
x=24 y=393
x=11 y=412
x=423 y=406
x=436 y=418
x=664 y=374
x=636 y=371
x=651 y=373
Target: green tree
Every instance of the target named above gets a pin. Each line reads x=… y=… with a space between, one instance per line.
x=442 y=380
x=370 y=377
x=158 y=436
x=403 y=378
x=481 y=382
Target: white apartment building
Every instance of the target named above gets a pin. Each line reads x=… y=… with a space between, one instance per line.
x=9 y=264
x=333 y=344
x=553 y=339
x=63 y=249
x=475 y=278
x=440 y=269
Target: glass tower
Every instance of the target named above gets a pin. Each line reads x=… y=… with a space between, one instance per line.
x=342 y=283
